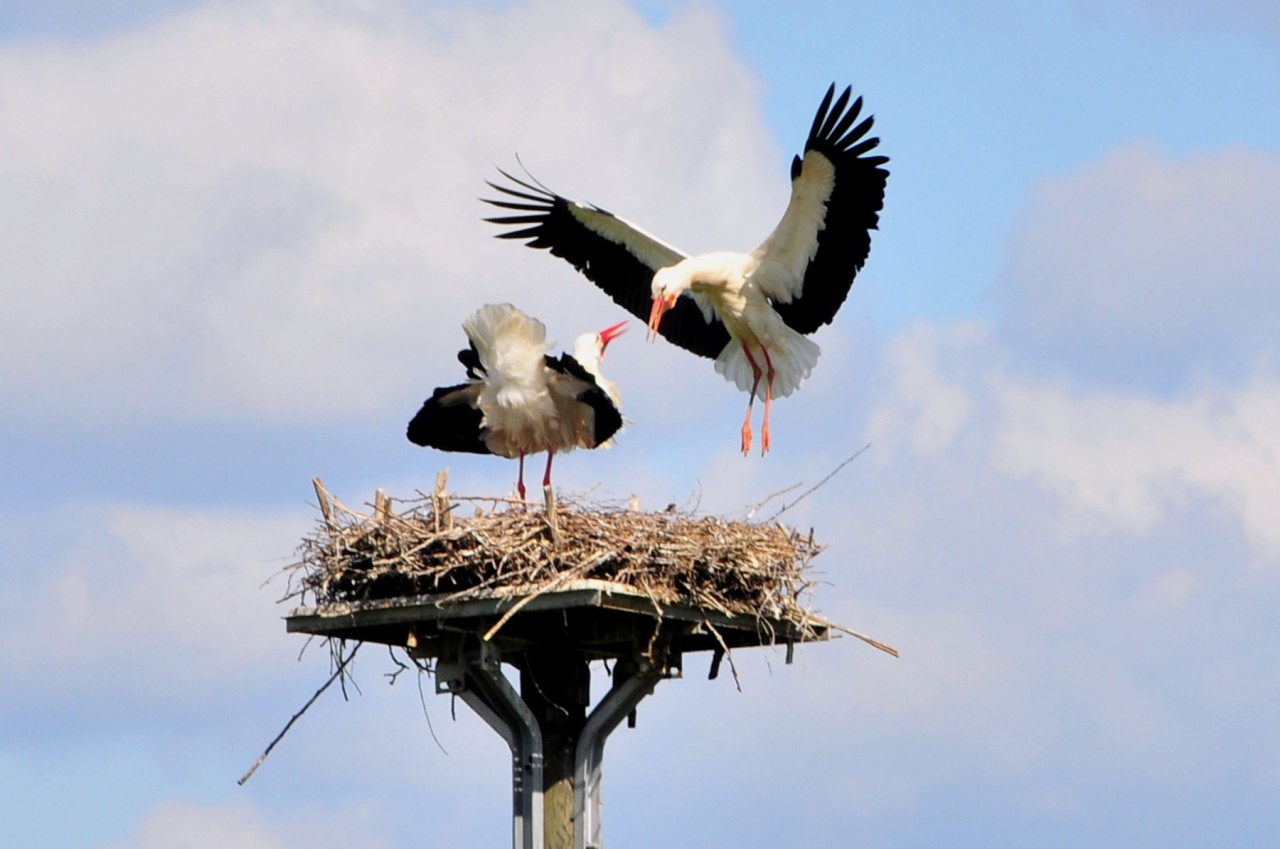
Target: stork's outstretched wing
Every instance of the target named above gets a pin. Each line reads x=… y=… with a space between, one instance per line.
x=451 y=421
x=808 y=263
x=617 y=256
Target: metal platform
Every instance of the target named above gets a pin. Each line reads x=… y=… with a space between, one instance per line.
x=578 y=622
x=601 y=619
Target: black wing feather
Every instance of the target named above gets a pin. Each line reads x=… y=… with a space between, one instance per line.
x=852 y=211
x=470 y=359
x=611 y=266
x=450 y=421
x=607 y=418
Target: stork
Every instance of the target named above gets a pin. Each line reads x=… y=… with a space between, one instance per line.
x=518 y=400
x=750 y=312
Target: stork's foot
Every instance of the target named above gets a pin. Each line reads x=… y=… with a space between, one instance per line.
x=764 y=437
x=746 y=437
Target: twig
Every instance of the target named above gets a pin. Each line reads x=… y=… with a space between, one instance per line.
x=751 y=511
x=337 y=673
x=725 y=647
x=784 y=508
x=423 y=669
x=326 y=509
x=868 y=640
x=400 y=667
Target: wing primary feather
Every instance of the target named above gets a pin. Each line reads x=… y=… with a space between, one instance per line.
x=538 y=198
x=821 y=115
x=534 y=186
x=836 y=109
x=838 y=132
x=506 y=204
x=516 y=219
x=527 y=233
x=847 y=139
x=869 y=144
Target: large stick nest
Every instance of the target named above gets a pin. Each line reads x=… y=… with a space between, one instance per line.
x=427 y=547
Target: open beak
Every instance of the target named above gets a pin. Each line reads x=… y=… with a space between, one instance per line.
x=610 y=333
x=660 y=306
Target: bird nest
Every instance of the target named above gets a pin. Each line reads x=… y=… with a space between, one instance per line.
x=427 y=546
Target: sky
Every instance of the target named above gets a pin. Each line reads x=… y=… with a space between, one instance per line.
x=238 y=242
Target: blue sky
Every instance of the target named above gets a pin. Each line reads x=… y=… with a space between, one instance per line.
x=239 y=239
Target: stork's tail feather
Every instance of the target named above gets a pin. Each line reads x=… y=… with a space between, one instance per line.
x=496 y=327
x=794 y=355
x=511 y=346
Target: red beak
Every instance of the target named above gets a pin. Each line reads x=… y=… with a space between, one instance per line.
x=660 y=306
x=610 y=333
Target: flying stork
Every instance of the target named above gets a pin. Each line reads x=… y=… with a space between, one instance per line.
x=750 y=312
x=518 y=400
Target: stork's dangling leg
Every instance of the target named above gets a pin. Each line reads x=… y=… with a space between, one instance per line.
x=755 y=383
x=520 y=480
x=768 y=396
x=546 y=478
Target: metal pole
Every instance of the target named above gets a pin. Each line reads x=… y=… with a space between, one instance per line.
x=476 y=677
x=631 y=683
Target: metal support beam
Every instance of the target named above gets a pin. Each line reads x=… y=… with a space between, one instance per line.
x=476 y=677
x=631 y=683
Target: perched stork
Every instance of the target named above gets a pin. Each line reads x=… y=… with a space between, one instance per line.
x=750 y=312
x=517 y=399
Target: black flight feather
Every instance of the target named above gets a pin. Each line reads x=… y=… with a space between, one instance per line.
x=608 y=264
x=852 y=211
x=450 y=421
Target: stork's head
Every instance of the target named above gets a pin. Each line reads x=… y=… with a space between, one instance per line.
x=668 y=284
x=589 y=348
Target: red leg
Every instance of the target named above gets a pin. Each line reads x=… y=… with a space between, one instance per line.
x=520 y=480
x=746 y=422
x=546 y=479
x=768 y=396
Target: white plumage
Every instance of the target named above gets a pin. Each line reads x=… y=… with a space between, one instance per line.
x=750 y=312
x=518 y=400
x=515 y=394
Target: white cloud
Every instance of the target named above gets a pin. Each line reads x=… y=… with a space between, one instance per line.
x=154 y=607
x=1068 y=579
x=928 y=408
x=1136 y=462
x=1146 y=268
x=270 y=209
x=1133 y=460
x=194 y=826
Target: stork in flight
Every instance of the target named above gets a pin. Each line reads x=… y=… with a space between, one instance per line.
x=750 y=312
x=517 y=399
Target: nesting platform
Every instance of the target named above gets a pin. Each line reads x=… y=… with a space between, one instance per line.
x=548 y=591
x=596 y=580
